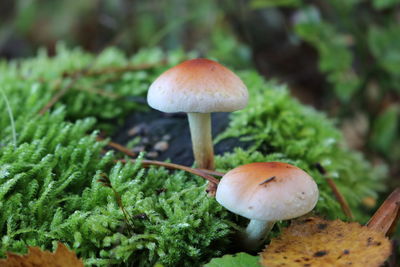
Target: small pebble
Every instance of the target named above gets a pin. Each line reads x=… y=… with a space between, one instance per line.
x=138 y=129
x=145 y=140
x=152 y=154
x=138 y=149
x=161 y=146
x=166 y=137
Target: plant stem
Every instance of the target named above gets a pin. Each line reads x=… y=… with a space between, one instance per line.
x=10 y=114
x=339 y=197
x=173 y=166
x=256 y=233
x=342 y=201
x=63 y=91
x=117 y=70
x=128 y=219
x=211 y=172
x=204 y=173
x=118 y=147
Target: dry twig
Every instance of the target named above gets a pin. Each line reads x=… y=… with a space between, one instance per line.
x=63 y=91
x=122 y=69
x=339 y=197
x=206 y=174
x=119 y=147
x=198 y=172
x=107 y=183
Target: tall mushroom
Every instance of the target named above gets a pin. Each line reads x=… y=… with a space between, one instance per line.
x=266 y=192
x=198 y=87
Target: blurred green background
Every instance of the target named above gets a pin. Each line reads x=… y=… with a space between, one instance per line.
x=341 y=56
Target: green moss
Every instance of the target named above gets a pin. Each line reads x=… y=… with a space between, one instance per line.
x=49 y=191
x=48 y=182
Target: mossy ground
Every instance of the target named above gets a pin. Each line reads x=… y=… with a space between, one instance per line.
x=49 y=187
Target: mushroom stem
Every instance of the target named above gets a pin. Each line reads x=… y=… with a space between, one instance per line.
x=256 y=233
x=200 y=130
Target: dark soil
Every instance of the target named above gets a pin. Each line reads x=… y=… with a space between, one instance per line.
x=167 y=136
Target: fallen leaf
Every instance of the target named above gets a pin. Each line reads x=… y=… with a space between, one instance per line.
x=235 y=260
x=315 y=242
x=386 y=217
x=62 y=257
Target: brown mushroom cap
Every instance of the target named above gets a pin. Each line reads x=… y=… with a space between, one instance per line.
x=267 y=191
x=198 y=85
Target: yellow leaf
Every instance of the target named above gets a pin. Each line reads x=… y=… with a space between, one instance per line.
x=63 y=257
x=315 y=242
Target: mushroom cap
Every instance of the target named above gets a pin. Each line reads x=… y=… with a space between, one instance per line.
x=198 y=85
x=250 y=191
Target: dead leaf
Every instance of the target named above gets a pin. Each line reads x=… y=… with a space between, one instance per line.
x=315 y=242
x=63 y=257
x=386 y=217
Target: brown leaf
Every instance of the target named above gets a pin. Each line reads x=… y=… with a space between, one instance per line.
x=315 y=242
x=386 y=217
x=63 y=257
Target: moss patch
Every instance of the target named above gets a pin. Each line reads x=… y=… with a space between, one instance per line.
x=48 y=183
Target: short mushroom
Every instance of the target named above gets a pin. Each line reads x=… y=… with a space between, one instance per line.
x=198 y=87
x=266 y=192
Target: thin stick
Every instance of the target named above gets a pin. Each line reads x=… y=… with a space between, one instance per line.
x=210 y=172
x=97 y=91
x=76 y=75
x=129 y=153
x=127 y=68
x=206 y=174
x=121 y=70
x=106 y=182
x=119 y=147
x=386 y=217
x=339 y=197
x=63 y=91
x=147 y=163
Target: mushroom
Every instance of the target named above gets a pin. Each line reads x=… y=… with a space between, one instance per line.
x=198 y=87
x=266 y=192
